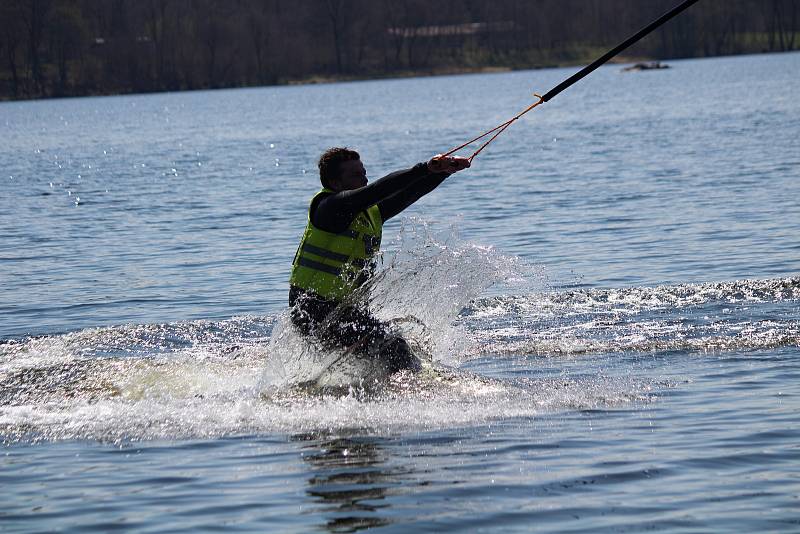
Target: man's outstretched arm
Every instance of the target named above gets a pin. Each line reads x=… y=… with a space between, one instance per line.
x=335 y=212
x=408 y=195
x=439 y=168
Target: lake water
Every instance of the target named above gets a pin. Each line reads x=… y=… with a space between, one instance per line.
x=610 y=298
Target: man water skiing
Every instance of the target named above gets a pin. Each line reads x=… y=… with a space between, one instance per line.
x=338 y=250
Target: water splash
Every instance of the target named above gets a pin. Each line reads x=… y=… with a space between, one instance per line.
x=419 y=292
x=430 y=278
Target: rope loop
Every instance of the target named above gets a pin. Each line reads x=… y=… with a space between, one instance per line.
x=497 y=130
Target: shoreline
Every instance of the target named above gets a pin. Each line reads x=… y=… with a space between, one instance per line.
x=319 y=79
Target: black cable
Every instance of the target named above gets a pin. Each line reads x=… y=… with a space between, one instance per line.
x=619 y=48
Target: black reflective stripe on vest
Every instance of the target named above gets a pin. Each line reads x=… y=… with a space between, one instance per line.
x=318 y=251
x=317 y=266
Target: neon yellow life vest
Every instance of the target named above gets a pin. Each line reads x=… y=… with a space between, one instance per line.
x=334 y=265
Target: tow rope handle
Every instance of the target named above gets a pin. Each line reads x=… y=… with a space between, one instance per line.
x=663 y=19
x=498 y=129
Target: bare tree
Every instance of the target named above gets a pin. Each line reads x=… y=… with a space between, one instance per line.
x=12 y=38
x=60 y=47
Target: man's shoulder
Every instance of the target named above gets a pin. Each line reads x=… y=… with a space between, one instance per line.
x=326 y=215
x=318 y=198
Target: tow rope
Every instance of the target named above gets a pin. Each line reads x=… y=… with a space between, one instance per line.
x=497 y=130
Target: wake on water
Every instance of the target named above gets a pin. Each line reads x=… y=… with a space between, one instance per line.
x=208 y=379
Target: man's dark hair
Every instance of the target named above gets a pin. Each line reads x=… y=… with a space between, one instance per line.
x=329 y=163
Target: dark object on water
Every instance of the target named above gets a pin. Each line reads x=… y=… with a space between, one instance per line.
x=619 y=48
x=652 y=65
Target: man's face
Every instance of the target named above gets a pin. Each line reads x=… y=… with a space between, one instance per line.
x=352 y=175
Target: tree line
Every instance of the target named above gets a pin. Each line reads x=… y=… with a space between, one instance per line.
x=81 y=47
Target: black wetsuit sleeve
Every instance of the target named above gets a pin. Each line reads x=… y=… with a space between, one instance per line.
x=403 y=199
x=334 y=212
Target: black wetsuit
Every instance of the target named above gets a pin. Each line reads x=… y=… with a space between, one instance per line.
x=347 y=326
